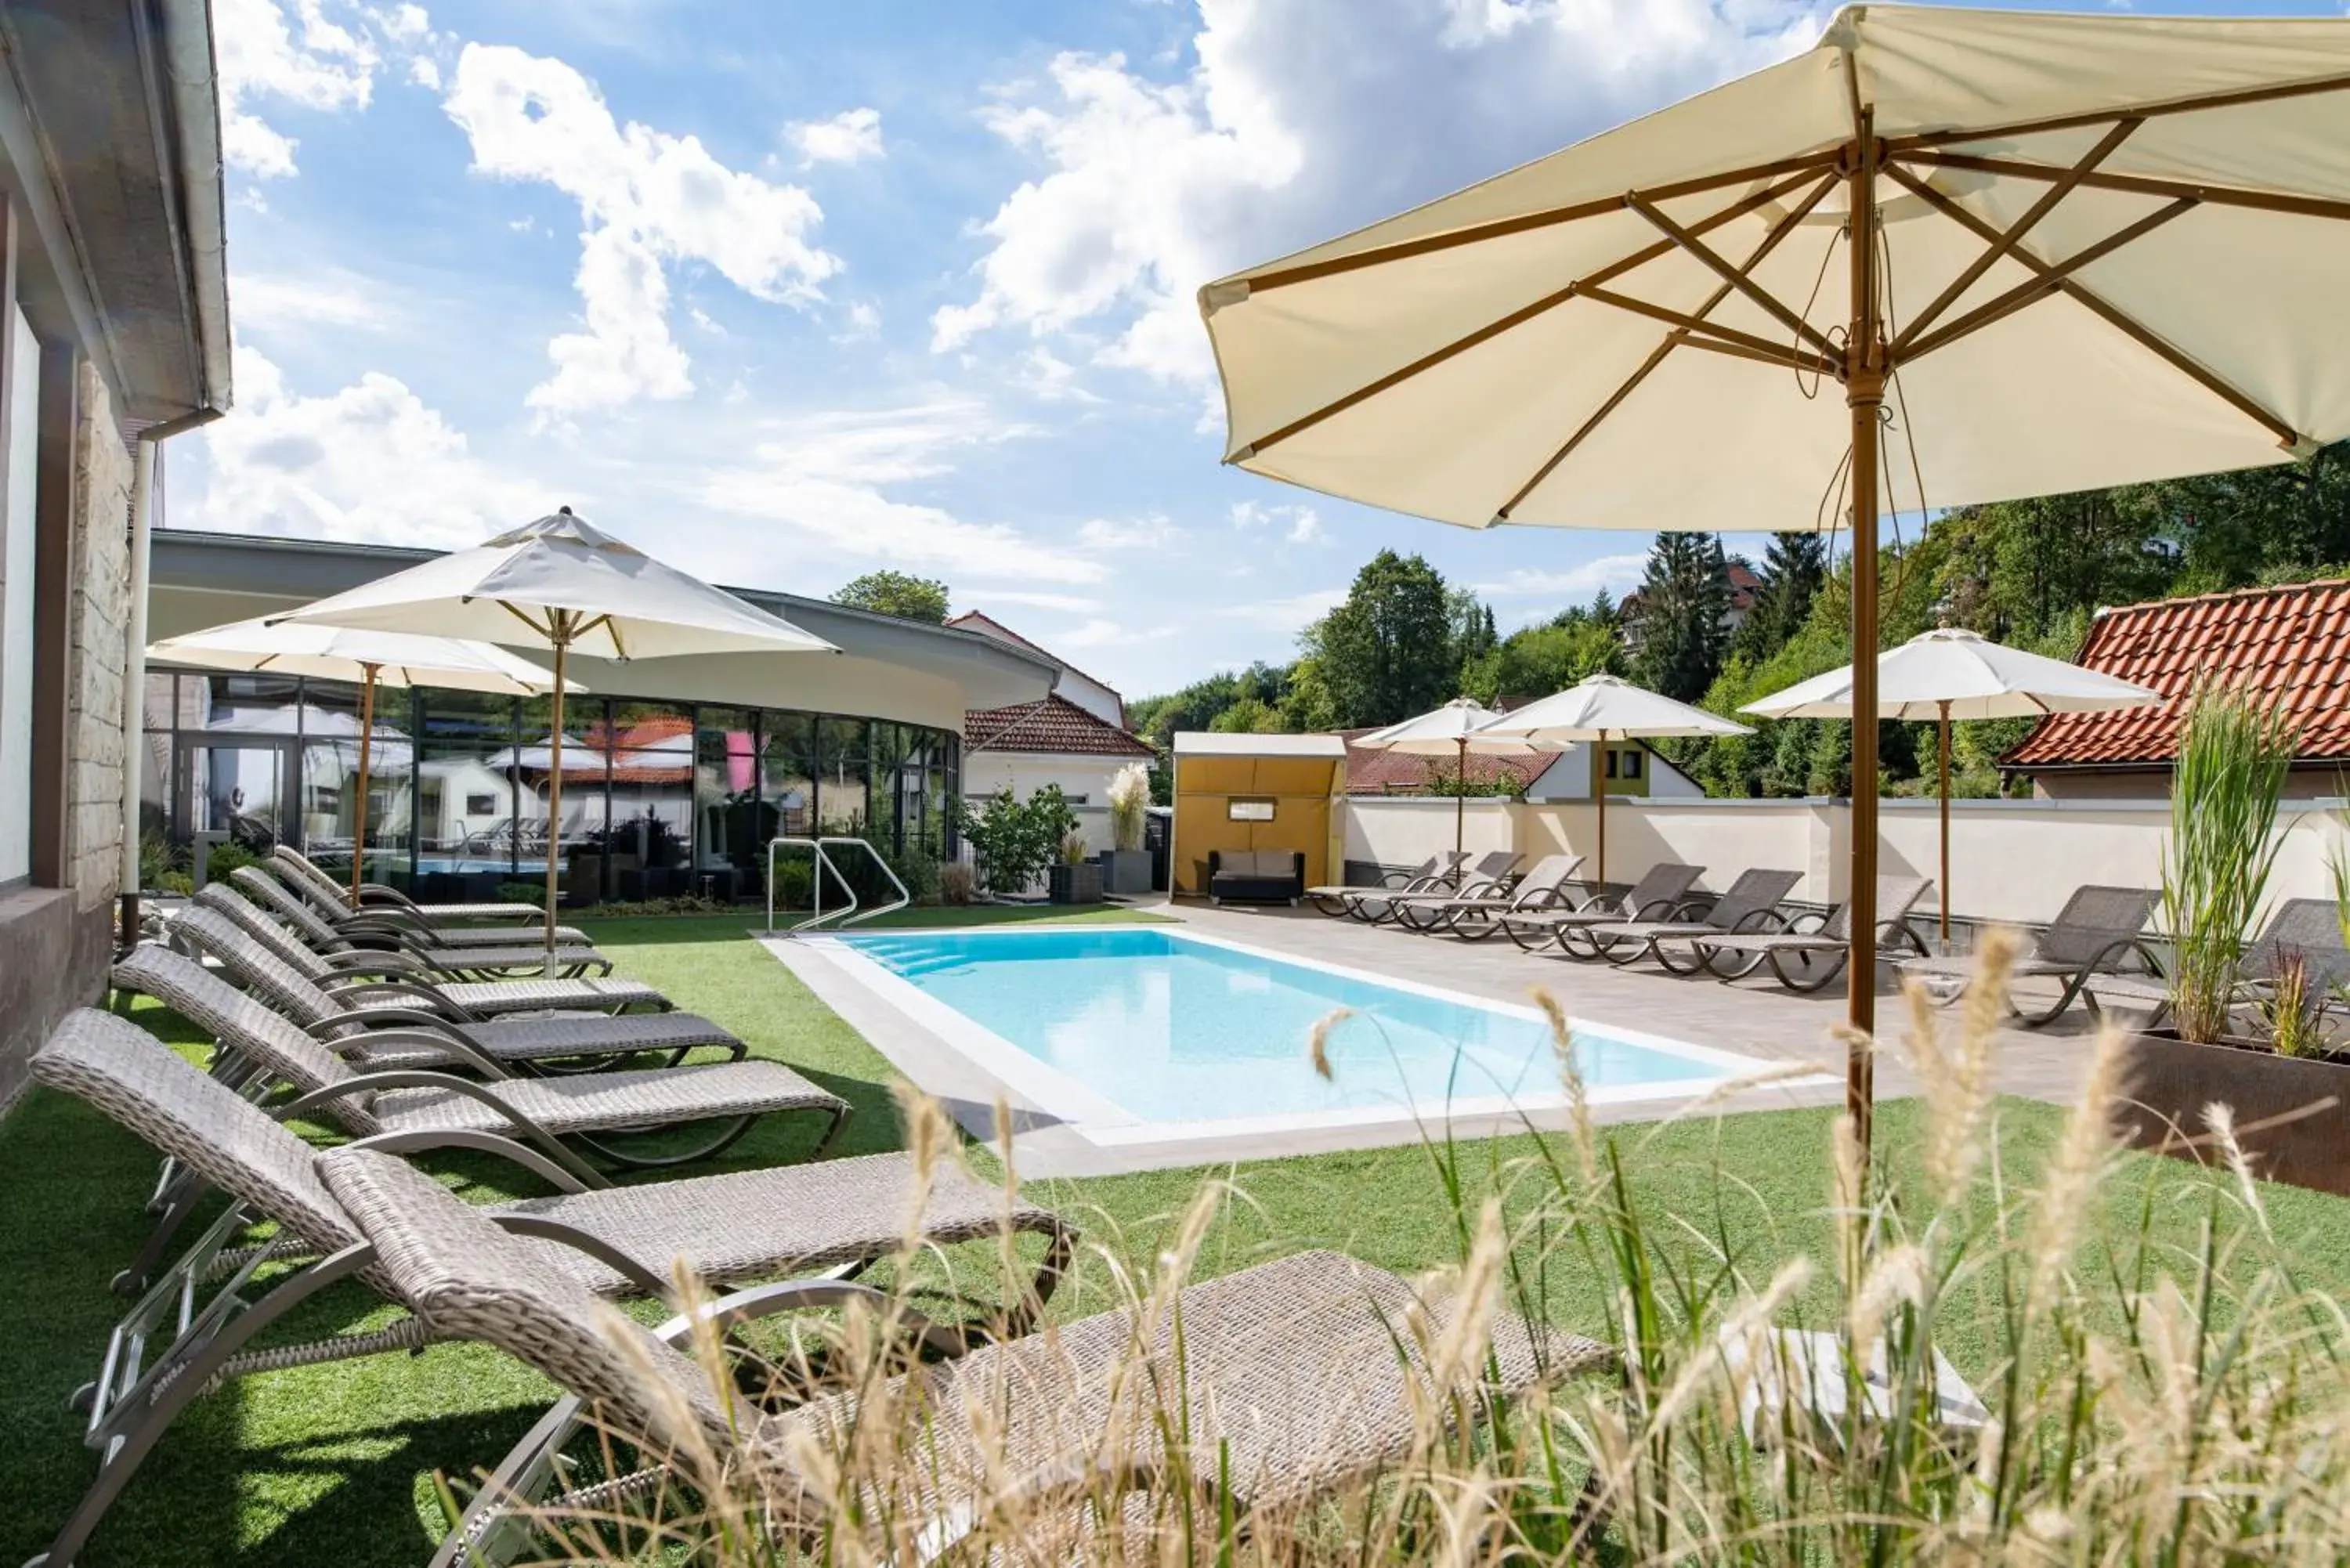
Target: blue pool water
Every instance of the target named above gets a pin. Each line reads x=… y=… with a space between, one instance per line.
x=1169 y=1029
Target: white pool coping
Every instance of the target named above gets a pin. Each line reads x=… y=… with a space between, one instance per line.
x=1107 y=1125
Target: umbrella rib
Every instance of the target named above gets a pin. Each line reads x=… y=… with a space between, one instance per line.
x=543 y=629
x=1524 y=314
x=2049 y=283
x=1734 y=277
x=2140 y=185
x=1501 y=228
x=1776 y=353
x=1779 y=231
x=2013 y=235
x=2287 y=437
x=2236 y=99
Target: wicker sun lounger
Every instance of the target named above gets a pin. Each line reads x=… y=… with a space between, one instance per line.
x=387 y=925
x=334 y=898
x=1335 y=899
x=1289 y=1379
x=1656 y=895
x=2306 y=929
x=1752 y=902
x=386 y=975
x=2100 y=931
x=1475 y=914
x=505 y=951
x=549 y=1114
x=1808 y=952
x=375 y=1031
x=193 y=1325
x=1490 y=874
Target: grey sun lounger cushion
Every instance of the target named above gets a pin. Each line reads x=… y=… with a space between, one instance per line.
x=1297 y=1375
x=590 y=1101
x=470 y=999
x=288 y=893
x=503 y=949
x=332 y=896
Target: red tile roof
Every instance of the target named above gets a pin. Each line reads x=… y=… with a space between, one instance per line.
x=1056 y=726
x=1381 y=772
x=2289 y=647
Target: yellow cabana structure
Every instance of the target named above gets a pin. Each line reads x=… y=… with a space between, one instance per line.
x=1257 y=792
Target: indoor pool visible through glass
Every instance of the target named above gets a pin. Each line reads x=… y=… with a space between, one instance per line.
x=1172 y=1029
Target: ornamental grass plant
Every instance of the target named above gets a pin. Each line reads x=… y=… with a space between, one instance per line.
x=2234 y=755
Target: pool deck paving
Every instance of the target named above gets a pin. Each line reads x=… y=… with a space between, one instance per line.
x=1755 y=1017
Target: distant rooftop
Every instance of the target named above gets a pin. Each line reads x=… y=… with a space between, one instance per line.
x=1054 y=725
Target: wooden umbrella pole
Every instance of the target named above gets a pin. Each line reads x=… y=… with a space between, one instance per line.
x=359 y=810
x=1863 y=397
x=1945 y=900
x=1459 y=795
x=1599 y=794
x=560 y=628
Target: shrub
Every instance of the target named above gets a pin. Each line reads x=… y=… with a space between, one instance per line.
x=2292 y=1010
x=1073 y=849
x=958 y=883
x=1129 y=801
x=1014 y=839
x=523 y=892
x=2232 y=760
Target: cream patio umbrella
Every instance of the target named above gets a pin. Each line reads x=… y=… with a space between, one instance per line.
x=1952 y=673
x=2034 y=253
x=1598 y=708
x=561 y=584
x=1456 y=729
x=368 y=659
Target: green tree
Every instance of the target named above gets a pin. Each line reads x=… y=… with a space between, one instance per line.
x=1390 y=650
x=896 y=593
x=1684 y=595
x=1249 y=716
x=1540 y=659
x=1793 y=567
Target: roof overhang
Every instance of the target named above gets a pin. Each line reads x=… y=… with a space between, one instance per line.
x=1211 y=743
x=240 y=569
x=110 y=123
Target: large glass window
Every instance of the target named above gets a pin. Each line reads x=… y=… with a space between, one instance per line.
x=730 y=827
x=17 y=517
x=843 y=803
x=788 y=773
x=651 y=841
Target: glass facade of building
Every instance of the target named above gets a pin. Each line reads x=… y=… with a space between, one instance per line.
x=659 y=799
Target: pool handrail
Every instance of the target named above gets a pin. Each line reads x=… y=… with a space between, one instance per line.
x=849 y=913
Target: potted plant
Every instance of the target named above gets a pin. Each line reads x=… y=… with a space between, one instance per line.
x=1126 y=867
x=1074 y=880
x=2260 y=1050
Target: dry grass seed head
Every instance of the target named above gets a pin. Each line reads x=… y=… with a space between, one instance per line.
x=2068 y=1186
x=1317 y=1043
x=1578 y=1098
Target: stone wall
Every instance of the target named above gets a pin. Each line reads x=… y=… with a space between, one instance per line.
x=56 y=942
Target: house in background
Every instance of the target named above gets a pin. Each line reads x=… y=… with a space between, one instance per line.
x=2288 y=646
x=1075 y=737
x=114 y=335
x=1745 y=587
x=1633 y=769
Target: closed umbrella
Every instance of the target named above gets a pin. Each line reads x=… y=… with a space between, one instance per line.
x=370 y=658
x=1599 y=707
x=1952 y=673
x=561 y=584
x=2035 y=252
x=1455 y=731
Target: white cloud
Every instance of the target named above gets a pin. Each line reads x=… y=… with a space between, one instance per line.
x=1101 y=633
x=1614 y=574
x=851 y=136
x=316 y=297
x=861 y=322
x=424 y=73
x=1153 y=532
x=294 y=53
x=1069 y=604
x=1298 y=525
x=1293 y=614
x=648 y=198
x=369 y=462
x=1049 y=379
x=826 y=477
x=1282 y=135
x=701 y=318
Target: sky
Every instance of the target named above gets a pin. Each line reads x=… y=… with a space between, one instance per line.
x=785 y=291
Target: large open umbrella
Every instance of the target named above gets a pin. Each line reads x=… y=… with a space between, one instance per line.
x=1952 y=673
x=369 y=659
x=561 y=584
x=1457 y=729
x=2034 y=253
x=1598 y=708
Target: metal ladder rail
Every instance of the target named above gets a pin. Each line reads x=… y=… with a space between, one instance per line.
x=903 y=899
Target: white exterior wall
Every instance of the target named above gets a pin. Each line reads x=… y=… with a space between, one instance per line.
x=2011 y=861
x=987 y=773
x=1569 y=778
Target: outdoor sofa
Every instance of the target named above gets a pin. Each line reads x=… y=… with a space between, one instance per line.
x=1256 y=875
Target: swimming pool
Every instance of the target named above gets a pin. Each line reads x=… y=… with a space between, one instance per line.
x=1140 y=1033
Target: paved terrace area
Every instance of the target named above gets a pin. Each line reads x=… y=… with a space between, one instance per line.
x=1756 y=1017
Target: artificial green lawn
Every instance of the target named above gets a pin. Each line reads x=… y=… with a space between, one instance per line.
x=333 y=1464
